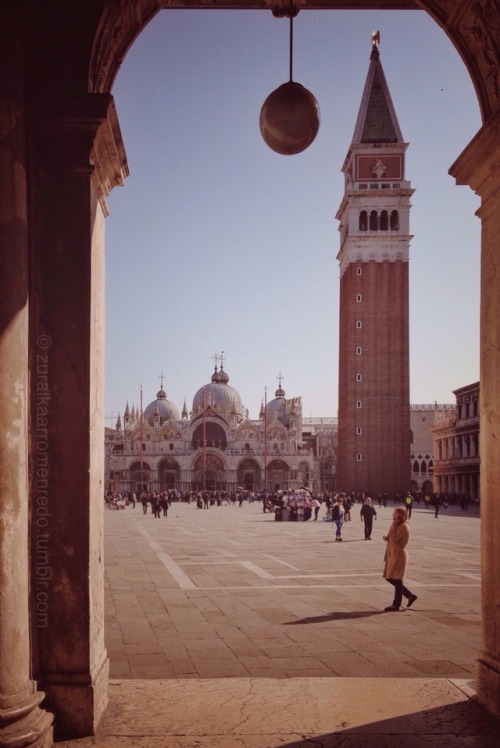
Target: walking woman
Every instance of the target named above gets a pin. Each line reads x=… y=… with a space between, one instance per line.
x=396 y=557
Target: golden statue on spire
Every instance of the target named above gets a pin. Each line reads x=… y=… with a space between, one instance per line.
x=375 y=38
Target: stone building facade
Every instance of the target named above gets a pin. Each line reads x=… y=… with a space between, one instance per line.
x=422 y=456
x=456 y=446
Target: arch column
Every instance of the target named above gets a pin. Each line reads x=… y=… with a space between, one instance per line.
x=22 y=723
x=76 y=157
x=479 y=167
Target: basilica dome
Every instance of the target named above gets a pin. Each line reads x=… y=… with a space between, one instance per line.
x=276 y=409
x=161 y=407
x=223 y=399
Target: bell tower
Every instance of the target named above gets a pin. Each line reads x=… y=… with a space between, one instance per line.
x=374 y=401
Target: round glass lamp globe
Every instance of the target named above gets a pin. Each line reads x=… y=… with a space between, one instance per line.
x=289 y=119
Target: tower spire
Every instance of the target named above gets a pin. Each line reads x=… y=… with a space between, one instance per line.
x=377 y=121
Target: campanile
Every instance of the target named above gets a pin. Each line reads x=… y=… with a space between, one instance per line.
x=374 y=401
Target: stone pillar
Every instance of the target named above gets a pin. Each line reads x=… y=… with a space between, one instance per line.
x=77 y=156
x=479 y=167
x=22 y=722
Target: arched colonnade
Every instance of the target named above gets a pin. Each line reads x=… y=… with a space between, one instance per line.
x=61 y=153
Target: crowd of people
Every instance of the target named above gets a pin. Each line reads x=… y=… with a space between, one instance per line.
x=294 y=505
x=305 y=505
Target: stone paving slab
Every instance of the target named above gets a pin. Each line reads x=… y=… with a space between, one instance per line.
x=229 y=592
x=293 y=713
x=229 y=630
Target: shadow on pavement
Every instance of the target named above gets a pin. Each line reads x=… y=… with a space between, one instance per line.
x=459 y=725
x=338 y=616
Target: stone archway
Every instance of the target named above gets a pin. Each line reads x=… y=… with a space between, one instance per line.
x=248 y=474
x=64 y=151
x=168 y=474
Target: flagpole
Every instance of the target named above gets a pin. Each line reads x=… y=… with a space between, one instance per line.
x=265 y=438
x=142 y=443
x=204 y=444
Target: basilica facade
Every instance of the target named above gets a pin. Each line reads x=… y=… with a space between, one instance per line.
x=214 y=446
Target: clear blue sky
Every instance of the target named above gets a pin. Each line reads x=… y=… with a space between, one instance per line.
x=217 y=243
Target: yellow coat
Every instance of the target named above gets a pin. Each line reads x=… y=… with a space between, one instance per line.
x=396 y=555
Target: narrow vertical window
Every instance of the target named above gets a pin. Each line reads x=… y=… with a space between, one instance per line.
x=358 y=430
x=358 y=298
x=359 y=271
x=394 y=220
x=358 y=350
x=373 y=220
x=358 y=324
x=358 y=377
x=358 y=403
x=363 y=220
x=384 y=221
x=358 y=457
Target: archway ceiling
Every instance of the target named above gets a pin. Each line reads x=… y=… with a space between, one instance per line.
x=472 y=25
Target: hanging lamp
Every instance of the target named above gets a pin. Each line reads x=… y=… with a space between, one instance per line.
x=289 y=118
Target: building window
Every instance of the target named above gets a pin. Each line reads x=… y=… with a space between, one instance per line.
x=394 y=220
x=358 y=298
x=358 y=377
x=358 y=457
x=358 y=403
x=363 y=220
x=358 y=324
x=373 y=220
x=384 y=221
x=358 y=430
x=358 y=351
x=359 y=271
x=171 y=447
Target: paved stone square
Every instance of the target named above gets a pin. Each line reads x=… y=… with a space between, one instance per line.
x=230 y=593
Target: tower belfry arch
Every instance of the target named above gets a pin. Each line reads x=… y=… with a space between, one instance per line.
x=61 y=154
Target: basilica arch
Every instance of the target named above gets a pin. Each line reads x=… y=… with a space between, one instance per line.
x=61 y=154
x=277 y=475
x=168 y=474
x=248 y=476
x=209 y=472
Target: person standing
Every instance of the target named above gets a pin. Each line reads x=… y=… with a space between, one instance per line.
x=367 y=514
x=315 y=505
x=338 y=513
x=408 y=503
x=396 y=558
x=348 y=503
